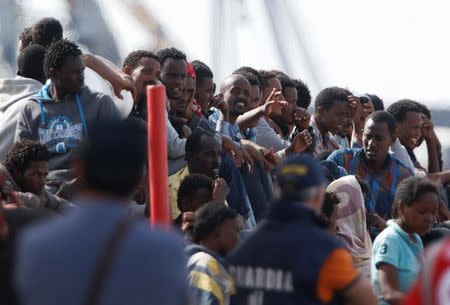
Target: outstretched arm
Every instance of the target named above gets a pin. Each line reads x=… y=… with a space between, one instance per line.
x=109 y=71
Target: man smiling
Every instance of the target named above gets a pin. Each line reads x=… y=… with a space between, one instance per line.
x=330 y=110
x=173 y=72
x=144 y=68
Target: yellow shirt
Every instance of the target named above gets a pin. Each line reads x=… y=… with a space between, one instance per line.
x=174 y=185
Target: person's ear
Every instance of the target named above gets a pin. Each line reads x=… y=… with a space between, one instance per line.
x=51 y=73
x=127 y=70
x=400 y=209
x=219 y=231
x=393 y=139
x=394 y=136
x=320 y=110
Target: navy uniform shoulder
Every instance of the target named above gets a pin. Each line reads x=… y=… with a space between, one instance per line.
x=292 y=239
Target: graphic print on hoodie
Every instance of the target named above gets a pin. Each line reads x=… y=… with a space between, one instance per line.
x=62 y=125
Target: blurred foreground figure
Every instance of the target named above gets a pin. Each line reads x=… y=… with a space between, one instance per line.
x=432 y=287
x=97 y=254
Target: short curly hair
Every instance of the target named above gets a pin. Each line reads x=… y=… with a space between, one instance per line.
x=58 y=53
x=167 y=53
x=30 y=62
x=424 y=109
x=190 y=185
x=201 y=70
x=285 y=81
x=328 y=96
x=303 y=94
x=208 y=217
x=133 y=58
x=382 y=116
x=194 y=141
x=46 y=31
x=25 y=36
x=400 y=108
x=252 y=75
x=265 y=77
x=22 y=153
x=376 y=101
x=410 y=190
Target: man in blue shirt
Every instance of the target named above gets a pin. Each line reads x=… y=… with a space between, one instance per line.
x=95 y=254
x=374 y=165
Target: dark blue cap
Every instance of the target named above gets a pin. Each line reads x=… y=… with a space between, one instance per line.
x=332 y=171
x=300 y=171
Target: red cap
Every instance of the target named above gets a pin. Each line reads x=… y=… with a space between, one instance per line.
x=191 y=71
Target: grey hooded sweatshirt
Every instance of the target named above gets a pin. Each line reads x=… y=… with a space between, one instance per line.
x=14 y=95
x=32 y=201
x=62 y=125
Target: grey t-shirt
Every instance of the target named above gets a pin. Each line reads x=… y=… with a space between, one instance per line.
x=62 y=125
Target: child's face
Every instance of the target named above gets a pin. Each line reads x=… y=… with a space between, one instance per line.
x=419 y=217
x=229 y=234
x=201 y=197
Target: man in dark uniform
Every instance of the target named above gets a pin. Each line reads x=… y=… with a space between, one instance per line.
x=291 y=259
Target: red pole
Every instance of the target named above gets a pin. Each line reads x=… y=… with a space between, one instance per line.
x=157 y=155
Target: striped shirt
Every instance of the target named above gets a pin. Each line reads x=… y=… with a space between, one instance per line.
x=322 y=142
x=224 y=128
x=209 y=281
x=382 y=184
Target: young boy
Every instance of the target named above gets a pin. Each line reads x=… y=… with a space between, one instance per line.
x=195 y=191
x=215 y=233
x=26 y=170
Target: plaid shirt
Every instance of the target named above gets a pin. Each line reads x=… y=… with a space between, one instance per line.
x=322 y=143
x=224 y=128
x=382 y=185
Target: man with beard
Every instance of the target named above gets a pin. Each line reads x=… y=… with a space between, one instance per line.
x=272 y=105
x=173 y=75
x=203 y=156
x=375 y=166
x=174 y=72
x=235 y=90
x=205 y=87
x=144 y=68
x=330 y=110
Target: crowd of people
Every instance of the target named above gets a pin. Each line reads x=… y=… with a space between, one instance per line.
x=274 y=198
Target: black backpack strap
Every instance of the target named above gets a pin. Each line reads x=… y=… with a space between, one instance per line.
x=103 y=267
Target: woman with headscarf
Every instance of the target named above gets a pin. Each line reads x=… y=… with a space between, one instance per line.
x=351 y=221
